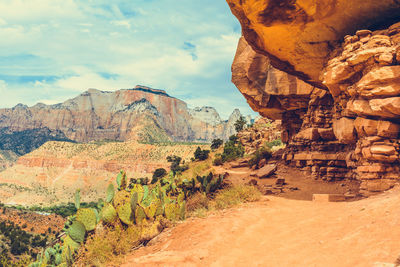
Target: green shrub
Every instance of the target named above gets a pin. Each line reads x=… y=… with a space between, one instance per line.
x=232 y=149
x=159 y=173
x=216 y=143
x=200 y=154
x=277 y=142
x=176 y=164
x=262 y=153
x=240 y=123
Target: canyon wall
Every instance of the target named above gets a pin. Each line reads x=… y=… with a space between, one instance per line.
x=343 y=123
x=120 y=115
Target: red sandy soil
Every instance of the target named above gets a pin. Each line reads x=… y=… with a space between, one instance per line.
x=298 y=185
x=283 y=232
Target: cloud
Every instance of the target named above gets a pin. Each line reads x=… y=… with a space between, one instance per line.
x=123 y=23
x=54 y=49
x=3 y=86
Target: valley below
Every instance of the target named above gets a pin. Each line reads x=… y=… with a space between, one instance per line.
x=51 y=174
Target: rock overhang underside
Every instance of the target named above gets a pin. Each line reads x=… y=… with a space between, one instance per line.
x=330 y=71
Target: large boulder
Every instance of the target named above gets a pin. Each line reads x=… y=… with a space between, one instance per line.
x=298 y=36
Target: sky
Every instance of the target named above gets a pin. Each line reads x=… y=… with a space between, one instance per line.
x=53 y=50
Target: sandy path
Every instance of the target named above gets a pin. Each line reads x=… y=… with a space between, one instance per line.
x=282 y=232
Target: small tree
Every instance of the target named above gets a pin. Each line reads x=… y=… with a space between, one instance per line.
x=240 y=123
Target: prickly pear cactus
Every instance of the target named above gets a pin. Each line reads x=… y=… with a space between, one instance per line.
x=159 y=209
x=108 y=214
x=68 y=242
x=134 y=201
x=121 y=180
x=122 y=203
x=151 y=210
x=77 y=199
x=110 y=193
x=140 y=208
x=77 y=232
x=182 y=211
x=140 y=215
x=88 y=218
x=139 y=190
x=172 y=211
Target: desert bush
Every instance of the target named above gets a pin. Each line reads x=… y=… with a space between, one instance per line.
x=63 y=210
x=216 y=143
x=277 y=142
x=141 y=181
x=176 y=164
x=197 y=201
x=218 y=160
x=200 y=154
x=262 y=153
x=232 y=149
x=107 y=245
x=235 y=195
x=159 y=173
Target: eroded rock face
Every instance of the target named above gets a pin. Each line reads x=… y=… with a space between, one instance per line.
x=269 y=91
x=350 y=127
x=141 y=113
x=364 y=79
x=263 y=131
x=298 y=36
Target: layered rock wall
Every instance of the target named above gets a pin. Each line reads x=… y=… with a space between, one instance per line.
x=346 y=126
x=364 y=79
x=102 y=115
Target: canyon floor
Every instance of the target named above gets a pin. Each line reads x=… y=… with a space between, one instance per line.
x=283 y=232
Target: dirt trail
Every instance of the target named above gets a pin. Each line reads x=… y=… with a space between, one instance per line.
x=284 y=232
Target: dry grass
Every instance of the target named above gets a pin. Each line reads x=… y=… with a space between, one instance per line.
x=107 y=245
x=197 y=201
x=199 y=205
x=235 y=195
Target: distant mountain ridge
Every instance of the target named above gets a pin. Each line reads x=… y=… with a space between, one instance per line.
x=121 y=115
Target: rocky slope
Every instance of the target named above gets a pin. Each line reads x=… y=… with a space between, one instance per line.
x=100 y=115
x=344 y=124
x=52 y=173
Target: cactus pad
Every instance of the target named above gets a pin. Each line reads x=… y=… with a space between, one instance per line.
x=108 y=213
x=77 y=232
x=140 y=215
x=88 y=218
x=110 y=193
x=122 y=203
